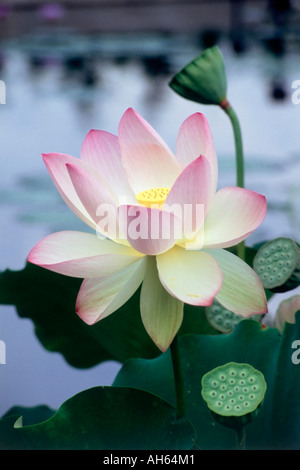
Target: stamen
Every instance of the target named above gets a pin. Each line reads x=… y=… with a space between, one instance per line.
x=155 y=196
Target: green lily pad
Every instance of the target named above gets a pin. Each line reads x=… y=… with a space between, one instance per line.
x=48 y=299
x=277 y=425
x=103 y=418
x=31 y=415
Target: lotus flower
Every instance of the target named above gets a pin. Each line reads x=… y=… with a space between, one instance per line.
x=124 y=188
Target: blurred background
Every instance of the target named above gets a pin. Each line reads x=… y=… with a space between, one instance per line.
x=74 y=65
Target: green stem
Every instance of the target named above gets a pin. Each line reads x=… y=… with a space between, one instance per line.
x=241 y=438
x=178 y=379
x=239 y=154
x=239 y=157
x=241 y=250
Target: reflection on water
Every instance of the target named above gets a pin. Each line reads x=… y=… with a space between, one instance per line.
x=59 y=87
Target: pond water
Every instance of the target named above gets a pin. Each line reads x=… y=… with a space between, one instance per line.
x=57 y=89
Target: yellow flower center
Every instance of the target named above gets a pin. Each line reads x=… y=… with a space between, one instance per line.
x=155 y=196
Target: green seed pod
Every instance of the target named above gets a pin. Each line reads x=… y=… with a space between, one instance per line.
x=220 y=318
x=277 y=263
x=203 y=80
x=233 y=390
x=234 y=394
x=224 y=320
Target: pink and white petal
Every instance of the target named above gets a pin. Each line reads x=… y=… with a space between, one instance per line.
x=195 y=139
x=79 y=254
x=149 y=230
x=234 y=214
x=148 y=161
x=102 y=151
x=98 y=199
x=190 y=196
x=195 y=243
x=162 y=314
x=56 y=165
x=242 y=291
x=98 y=298
x=194 y=277
x=286 y=312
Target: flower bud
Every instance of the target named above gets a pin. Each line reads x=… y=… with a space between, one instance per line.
x=286 y=312
x=204 y=79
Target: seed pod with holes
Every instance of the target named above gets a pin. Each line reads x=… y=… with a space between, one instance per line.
x=234 y=393
x=223 y=320
x=277 y=263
